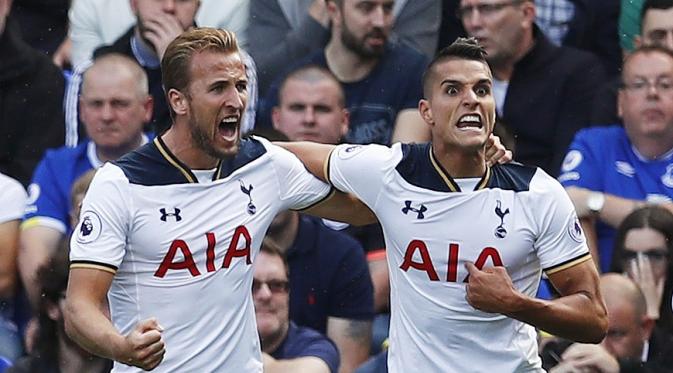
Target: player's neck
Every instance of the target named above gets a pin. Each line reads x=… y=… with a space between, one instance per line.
x=179 y=141
x=345 y=64
x=461 y=163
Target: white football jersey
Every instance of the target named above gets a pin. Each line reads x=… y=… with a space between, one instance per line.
x=181 y=250
x=517 y=216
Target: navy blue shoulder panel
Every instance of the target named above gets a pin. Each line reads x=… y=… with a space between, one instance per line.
x=250 y=150
x=416 y=168
x=148 y=166
x=511 y=176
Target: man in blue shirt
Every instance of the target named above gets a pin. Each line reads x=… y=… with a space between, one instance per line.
x=610 y=171
x=286 y=346
x=114 y=106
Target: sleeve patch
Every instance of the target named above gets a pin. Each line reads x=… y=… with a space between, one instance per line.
x=90 y=227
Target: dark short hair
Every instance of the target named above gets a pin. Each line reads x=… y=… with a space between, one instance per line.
x=653 y=4
x=461 y=49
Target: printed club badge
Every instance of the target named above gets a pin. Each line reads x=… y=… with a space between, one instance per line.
x=89 y=227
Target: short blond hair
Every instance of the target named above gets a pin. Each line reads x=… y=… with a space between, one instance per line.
x=178 y=55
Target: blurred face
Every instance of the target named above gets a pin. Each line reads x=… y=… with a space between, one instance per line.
x=460 y=108
x=311 y=111
x=113 y=109
x=180 y=11
x=646 y=101
x=216 y=99
x=366 y=26
x=270 y=292
x=499 y=25
x=626 y=333
x=645 y=249
x=657 y=28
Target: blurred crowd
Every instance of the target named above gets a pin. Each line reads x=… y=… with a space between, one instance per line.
x=583 y=90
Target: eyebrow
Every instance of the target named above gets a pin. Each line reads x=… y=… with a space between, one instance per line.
x=453 y=81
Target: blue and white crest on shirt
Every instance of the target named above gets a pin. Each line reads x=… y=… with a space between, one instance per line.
x=572 y=160
x=349 y=151
x=575 y=230
x=667 y=177
x=89 y=227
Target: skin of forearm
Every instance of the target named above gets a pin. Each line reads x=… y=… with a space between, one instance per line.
x=576 y=317
x=87 y=325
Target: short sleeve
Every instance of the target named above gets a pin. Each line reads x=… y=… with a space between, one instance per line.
x=47 y=205
x=360 y=169
x=12 y=199
x=560 y=242
x=581 y=167
x=99 y=239
x=298 y=188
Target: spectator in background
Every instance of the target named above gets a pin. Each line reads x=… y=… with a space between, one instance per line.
x=95 y=23
x=157 y=24
x=43 y=24
x=610 y=171
x=590 y=25
x=632 y=345
x=543 y=92
x=330 y=286
x=381 y=79
x=291 y=30
x=115 y=105
x=31 y=102
x=13 y=203
x=286 y=346
x=54 y=351
x=644 y=251
x=655 y=28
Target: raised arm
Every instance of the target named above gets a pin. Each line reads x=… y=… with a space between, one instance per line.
x=340 y=206
x=87 y=324
x=579 y=314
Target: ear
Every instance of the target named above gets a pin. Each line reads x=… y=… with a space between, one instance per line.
x=134 y=6
x=426 y=112
x=333 y=12
x=637 y=41
x=528 y=8
x=275 y=118
x=345 y=121
x=148 y=106
x=53 y=311
x=647 y=326
x=620 y=103
x=178 y=101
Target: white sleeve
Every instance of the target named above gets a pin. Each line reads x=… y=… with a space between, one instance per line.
x=99 y=239
x=560 y=243
x=298 y=188
x=12 y=199
x=361 y=169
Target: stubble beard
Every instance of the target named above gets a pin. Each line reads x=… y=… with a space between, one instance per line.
x=204 y=142
x=351 y=42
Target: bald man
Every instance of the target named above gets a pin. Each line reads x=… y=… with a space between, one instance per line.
x=632 y=343
x=114 y=105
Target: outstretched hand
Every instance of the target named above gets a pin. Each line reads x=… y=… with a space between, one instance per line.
x=145 y=347
x=490 y=289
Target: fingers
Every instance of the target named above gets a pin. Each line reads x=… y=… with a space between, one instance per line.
x=146 y=344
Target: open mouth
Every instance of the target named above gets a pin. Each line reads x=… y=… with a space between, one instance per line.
x=470 y=121
x=228 y=128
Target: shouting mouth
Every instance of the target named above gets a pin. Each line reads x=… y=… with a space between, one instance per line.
x=228 y=128
x=470 y=122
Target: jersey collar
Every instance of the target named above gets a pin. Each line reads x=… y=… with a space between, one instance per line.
x=450 y=183
x=183 y=168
